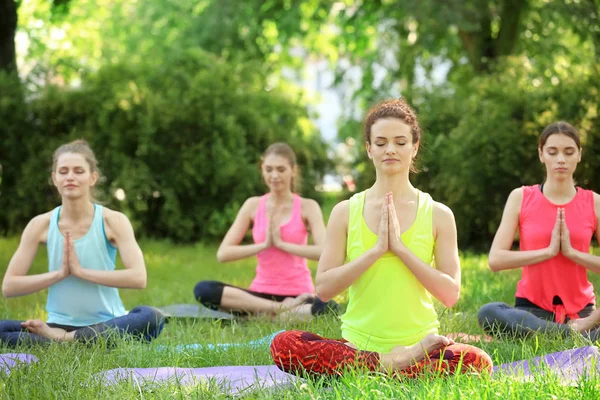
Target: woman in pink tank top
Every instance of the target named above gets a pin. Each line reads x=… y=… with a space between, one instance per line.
x=281 y=221
x=556 y=221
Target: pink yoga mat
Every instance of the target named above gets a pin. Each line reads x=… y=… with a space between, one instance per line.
x=230 y=379
x=9 y=361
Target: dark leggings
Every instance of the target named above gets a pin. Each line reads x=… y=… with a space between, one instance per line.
x=500 y=319
x=142 y=322
x=210 y=293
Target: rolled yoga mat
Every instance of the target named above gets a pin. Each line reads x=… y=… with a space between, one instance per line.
x=193 y=311
x=229 y=379
x=9 y=361
x=568 y=365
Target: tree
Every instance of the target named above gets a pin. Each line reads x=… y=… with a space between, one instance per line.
x=8 y=28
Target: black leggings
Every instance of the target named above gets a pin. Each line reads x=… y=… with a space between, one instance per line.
x=210 y=293
x=525 y=318
x=142 y=322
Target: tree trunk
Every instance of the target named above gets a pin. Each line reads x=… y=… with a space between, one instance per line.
x=510 y=17
x=8 y=28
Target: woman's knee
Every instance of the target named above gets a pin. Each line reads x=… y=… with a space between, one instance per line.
x=209 y=293
x=152 y=318
x=491 y=313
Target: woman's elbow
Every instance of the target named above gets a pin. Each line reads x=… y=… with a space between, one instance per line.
x=7 y=290
x=317 y=253
x=451 y=301
x=221 y=255
x=451 y=298
x=493 y=263
x=140 y=282
x=323 y=293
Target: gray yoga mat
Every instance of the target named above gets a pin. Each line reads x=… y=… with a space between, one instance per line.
x=10 y=361
x=193 y=311
x=229 y=379
x=568 y=365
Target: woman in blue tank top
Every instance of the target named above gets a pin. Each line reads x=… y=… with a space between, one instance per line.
x=82 y=239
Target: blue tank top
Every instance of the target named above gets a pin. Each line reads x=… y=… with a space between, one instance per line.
x=74 y=301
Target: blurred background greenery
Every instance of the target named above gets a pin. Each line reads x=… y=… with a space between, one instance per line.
x=179 y=99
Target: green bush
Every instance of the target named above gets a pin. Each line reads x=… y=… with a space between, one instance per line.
x=182 y=138
x=482 y=142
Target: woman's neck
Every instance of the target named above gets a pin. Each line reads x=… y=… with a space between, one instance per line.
x=77 y=209
x=559 y=188
x=282 y=197
x=398 y=184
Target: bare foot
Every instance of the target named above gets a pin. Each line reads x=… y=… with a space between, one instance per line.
x=291 y=302
x=402 y=357
x=465 y=337
x=39 y=327
x=301 y=312
x=586 y=324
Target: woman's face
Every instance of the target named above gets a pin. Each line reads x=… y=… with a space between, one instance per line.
x=560 y=155
x=73 y=177
x=391 y=148
x=277 y=172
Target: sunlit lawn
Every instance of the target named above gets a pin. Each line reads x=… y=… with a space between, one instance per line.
x=64 y=370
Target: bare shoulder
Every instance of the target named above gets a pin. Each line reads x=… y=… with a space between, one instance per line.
x=251 y=202
x=310 y=205
x=442 y=213
x=597 y=203
x=37 y=228
x=340 y=213
x=249 y=207
x=516 y=196
x=113 y=216
x=42 y=220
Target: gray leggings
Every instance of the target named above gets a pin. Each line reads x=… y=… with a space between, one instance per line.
x=501 y=320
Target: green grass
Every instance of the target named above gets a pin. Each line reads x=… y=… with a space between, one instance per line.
x=65 y=370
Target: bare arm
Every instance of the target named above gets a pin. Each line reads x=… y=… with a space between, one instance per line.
x=133 y=276
x=442 y=282
x=230 y=248
x=16 y=281
x=314 y=215
x=587 y=260
x=501 y=256
x=333 y=276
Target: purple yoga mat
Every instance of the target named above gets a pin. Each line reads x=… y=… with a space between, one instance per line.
x=568 y=365
x=8 y=361
x=230 y=379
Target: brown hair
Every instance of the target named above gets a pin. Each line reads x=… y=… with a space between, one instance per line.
x=82 y=147
x=560 y=127
x=396 y=108
x=283 y=150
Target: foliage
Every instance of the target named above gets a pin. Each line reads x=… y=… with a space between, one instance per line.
x=182 y=139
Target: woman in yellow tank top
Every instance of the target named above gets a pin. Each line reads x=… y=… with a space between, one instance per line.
x=380 y=245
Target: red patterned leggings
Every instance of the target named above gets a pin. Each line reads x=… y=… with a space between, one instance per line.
x=297 y=352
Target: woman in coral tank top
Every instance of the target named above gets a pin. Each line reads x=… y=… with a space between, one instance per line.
x=556 y=221
x=281 y=221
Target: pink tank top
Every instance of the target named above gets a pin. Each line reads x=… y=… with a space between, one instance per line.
x=279 y=272
x=558 y=276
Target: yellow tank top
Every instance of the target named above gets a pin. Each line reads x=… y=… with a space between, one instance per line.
x=388 y=306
